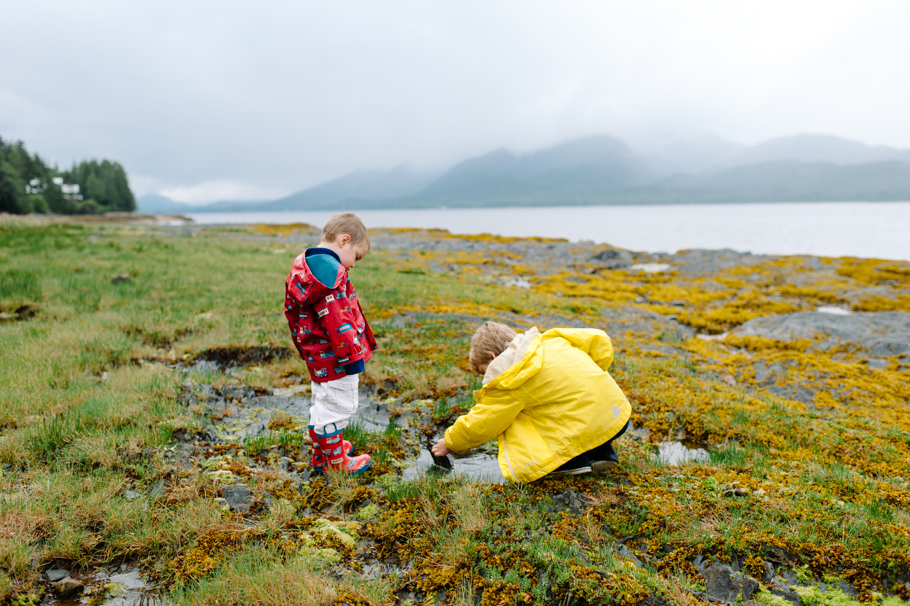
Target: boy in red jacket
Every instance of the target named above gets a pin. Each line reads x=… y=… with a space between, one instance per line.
x=332 y=336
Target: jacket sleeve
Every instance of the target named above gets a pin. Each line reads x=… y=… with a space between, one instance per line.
x=592 y=341
x=494 y=412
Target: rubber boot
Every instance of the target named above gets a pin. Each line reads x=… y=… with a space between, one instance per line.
x=335 y=458
x=317 y=459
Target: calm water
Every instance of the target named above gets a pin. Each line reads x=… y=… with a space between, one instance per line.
x=862 y=229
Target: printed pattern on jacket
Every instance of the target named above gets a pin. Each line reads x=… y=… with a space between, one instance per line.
x=327 y=323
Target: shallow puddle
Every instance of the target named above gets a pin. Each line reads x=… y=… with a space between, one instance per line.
x=477 y=465
x=103 y=589
x=676 y=453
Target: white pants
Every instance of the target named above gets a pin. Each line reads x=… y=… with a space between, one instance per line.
x=333 y=404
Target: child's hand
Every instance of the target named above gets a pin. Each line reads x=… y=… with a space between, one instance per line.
x=440 y=449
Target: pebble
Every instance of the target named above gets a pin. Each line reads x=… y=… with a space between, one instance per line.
x=56 y=574
x=67 y=586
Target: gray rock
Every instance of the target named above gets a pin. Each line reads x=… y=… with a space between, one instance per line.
x=67 y=586
x=129 y=580
x=238 y=497
x=847 y=588
x=129 y=495
x=56 y=574
x=158 y=489
x=768 y=574
x=878 y=363
x=613 y=259
x=626 y=553
x=696 y=262
x=726 y=585
x=786 y=593
x=298 y=407
x=804 y=395
x=568 y=500
x=882 y=334
x=750 y=586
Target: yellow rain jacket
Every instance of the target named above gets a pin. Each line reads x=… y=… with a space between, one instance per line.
x=553 y=404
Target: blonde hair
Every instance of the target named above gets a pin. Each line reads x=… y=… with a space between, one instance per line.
x=492 y=337
x=345 y=223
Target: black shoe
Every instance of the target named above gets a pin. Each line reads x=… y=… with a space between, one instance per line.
x=573 y=467
x=603 y=458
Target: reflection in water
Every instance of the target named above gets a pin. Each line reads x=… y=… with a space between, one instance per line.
x=476 y=465
x=675 y=453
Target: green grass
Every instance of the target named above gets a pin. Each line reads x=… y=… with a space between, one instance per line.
x=90 y=407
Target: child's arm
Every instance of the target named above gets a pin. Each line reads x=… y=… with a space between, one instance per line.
x=490 y=417
x=339 y=319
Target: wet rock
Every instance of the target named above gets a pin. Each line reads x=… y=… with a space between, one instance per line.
x=726 y=585
x=298 y=407
x=624 y=552
x=129 y=580
x=568 y=500
x=882 y=334
x=847 y=588
x=768 y=574
x=67 y=587
x=786 y=593
x=238 y=497
x=56 y=574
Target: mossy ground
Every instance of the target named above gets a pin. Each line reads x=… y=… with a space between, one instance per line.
x=91 y=406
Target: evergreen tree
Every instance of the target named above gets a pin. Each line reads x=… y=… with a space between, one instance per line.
x=103 y=185
x=12 y=190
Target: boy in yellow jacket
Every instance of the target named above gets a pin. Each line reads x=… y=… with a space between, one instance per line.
x=547 y=397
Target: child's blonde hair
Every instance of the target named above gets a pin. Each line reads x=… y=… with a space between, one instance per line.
x=492 y=337
x=345 y=223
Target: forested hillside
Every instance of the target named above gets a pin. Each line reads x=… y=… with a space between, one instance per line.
x=29 y=185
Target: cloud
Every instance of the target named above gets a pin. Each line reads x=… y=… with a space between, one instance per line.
x=221 y=190
x=281 y=95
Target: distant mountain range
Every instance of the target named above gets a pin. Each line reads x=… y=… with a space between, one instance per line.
x=604 y=170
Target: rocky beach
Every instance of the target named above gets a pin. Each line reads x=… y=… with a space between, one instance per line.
x=154 y=442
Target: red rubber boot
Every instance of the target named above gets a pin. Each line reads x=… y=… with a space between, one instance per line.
x=334 y=456
x=317 y=460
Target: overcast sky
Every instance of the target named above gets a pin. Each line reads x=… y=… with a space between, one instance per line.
x=219 y=100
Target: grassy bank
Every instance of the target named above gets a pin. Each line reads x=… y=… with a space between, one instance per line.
x=96 y=408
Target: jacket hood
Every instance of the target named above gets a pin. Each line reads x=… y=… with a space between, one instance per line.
x=521 y=369
x=305 y=287
x=512 y=355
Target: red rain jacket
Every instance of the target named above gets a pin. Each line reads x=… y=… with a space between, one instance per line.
x=327 y=324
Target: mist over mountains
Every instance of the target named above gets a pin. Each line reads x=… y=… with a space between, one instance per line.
x=605 y=170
